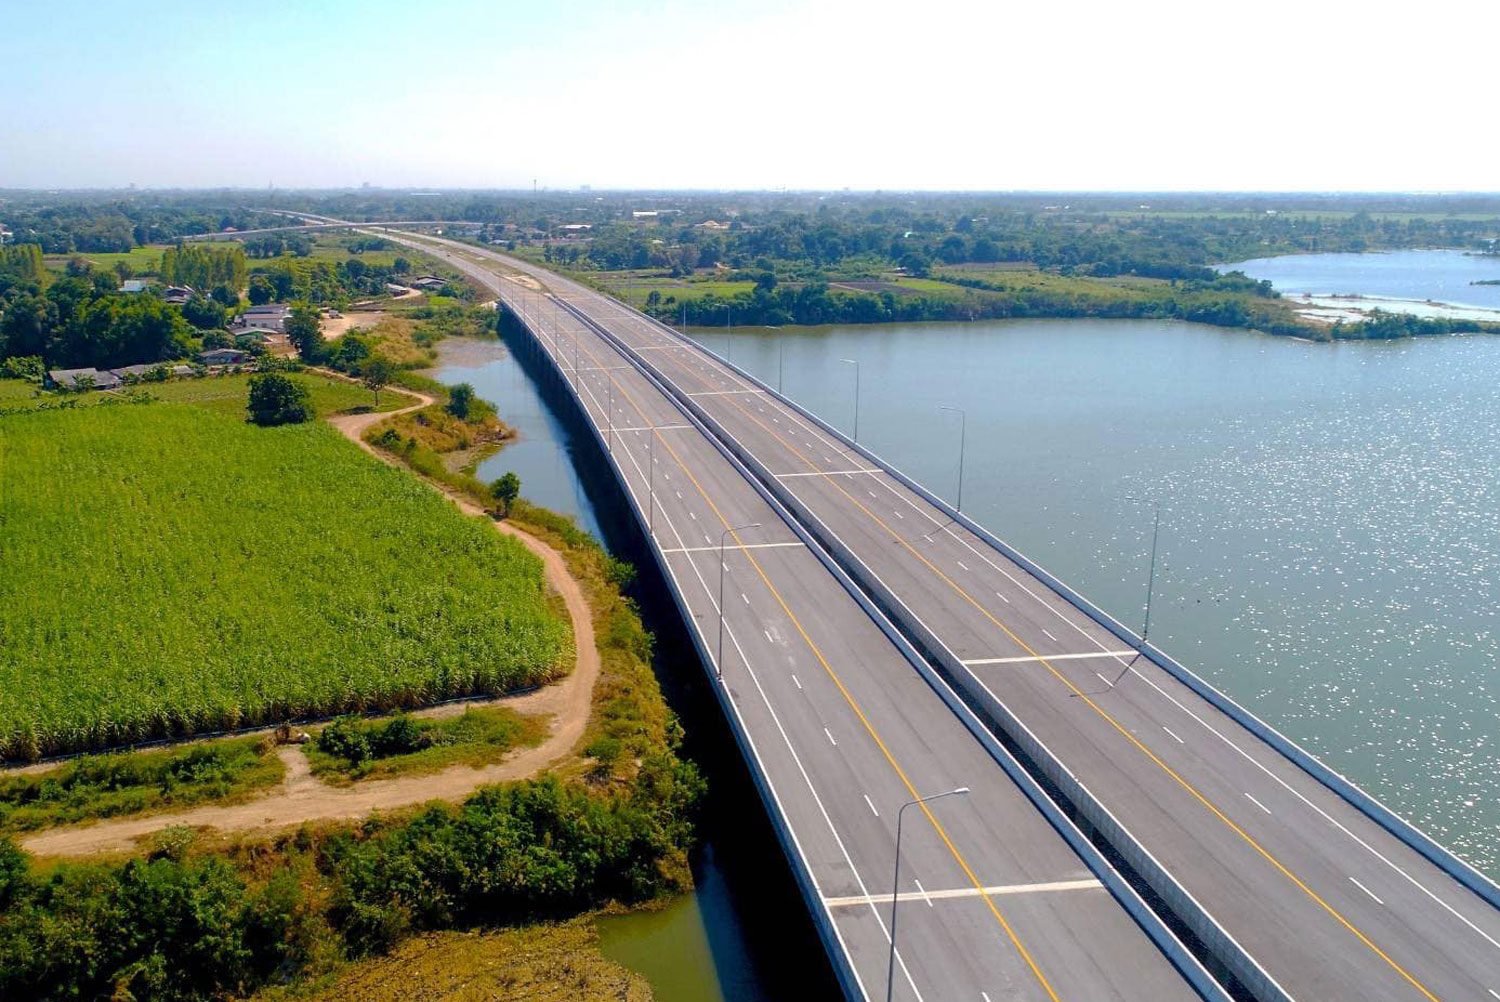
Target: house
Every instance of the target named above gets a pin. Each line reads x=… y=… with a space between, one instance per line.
x=134 y=285
x=182 y=370
x=258 y=335
x=268 y=316
x=68 y=379
x=224 y=356
x=396 y=290
x=427 y=282
x=128 y=373
x=178 y=294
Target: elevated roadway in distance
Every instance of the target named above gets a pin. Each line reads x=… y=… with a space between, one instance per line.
x=1306 y=892
x=841 y=723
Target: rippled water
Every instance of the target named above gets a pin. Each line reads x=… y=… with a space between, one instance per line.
x=1444 y=276
x=1330 y=530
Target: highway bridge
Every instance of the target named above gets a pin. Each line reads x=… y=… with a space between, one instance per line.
x=320 y=224
x=878 y=646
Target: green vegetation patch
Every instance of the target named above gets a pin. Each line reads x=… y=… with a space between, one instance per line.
x=538 y=963
x=102 y=786
x=165 y=570
x=351 y=748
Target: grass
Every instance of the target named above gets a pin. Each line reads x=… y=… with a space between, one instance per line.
x=538 y=963
x=103 y=786
x=165 y=570
x=224 y=393
x=350 y=749
x=140 y=259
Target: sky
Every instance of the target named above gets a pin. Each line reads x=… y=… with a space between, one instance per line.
x=1270 y=95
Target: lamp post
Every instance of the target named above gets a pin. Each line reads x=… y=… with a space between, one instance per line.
x=963 y=427
x=728 y=332
x=1151 y=575
x=890 y=974
x=719 y=655
x=856 y=395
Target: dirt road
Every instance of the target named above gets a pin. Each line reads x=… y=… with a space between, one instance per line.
x=302 y=797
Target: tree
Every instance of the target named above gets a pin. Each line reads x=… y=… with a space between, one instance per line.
x=304 y=329
x=261 y=291
x=278 y=399
x=353 y=350
x=225 y=296
x=376 y=374
x=461 y=401
x=505 y=491
x=204 y=314
x=401 y=266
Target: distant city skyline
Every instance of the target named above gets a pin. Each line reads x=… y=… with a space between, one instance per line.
x=1161 y=96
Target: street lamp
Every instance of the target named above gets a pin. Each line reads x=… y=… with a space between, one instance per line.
x=963 y=427
x=728 y=332
x=719 y=656
x=890 y=975
x=856 y=395
x=1150 y=590
x=1151 y=575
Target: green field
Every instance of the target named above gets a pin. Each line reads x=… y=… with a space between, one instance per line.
x=166 y=570
x=140 y=259
x=223 y=393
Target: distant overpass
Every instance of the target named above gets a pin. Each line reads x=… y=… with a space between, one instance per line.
x=1292 y=883
x=309 y=227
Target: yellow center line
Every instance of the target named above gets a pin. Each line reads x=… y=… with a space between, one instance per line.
x=849 y=698
x=1097 y=708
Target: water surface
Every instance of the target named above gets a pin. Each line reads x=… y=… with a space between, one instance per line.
x=1443 y=276
x=1330 y=526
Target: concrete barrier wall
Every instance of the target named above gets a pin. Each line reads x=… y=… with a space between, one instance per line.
x=1366 y=804
x=800 y=521
x=822 y=918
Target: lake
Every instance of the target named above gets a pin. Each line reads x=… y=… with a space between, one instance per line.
x=1443 y=276
x=1330 y=512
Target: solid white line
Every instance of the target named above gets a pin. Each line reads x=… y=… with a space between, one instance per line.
x=1257 y=803
x=871 y=803
x=1047 y=657
x=659 y=427
x=925 y=897
x=1088 y=884
x=1493 y=992
x=727 y=547
x=1367 y=891
x=830 y=737
x=1174 y=736
x=721 y=393
x=986 y=996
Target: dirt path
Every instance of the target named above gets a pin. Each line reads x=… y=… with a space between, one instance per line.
x=302 y=797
